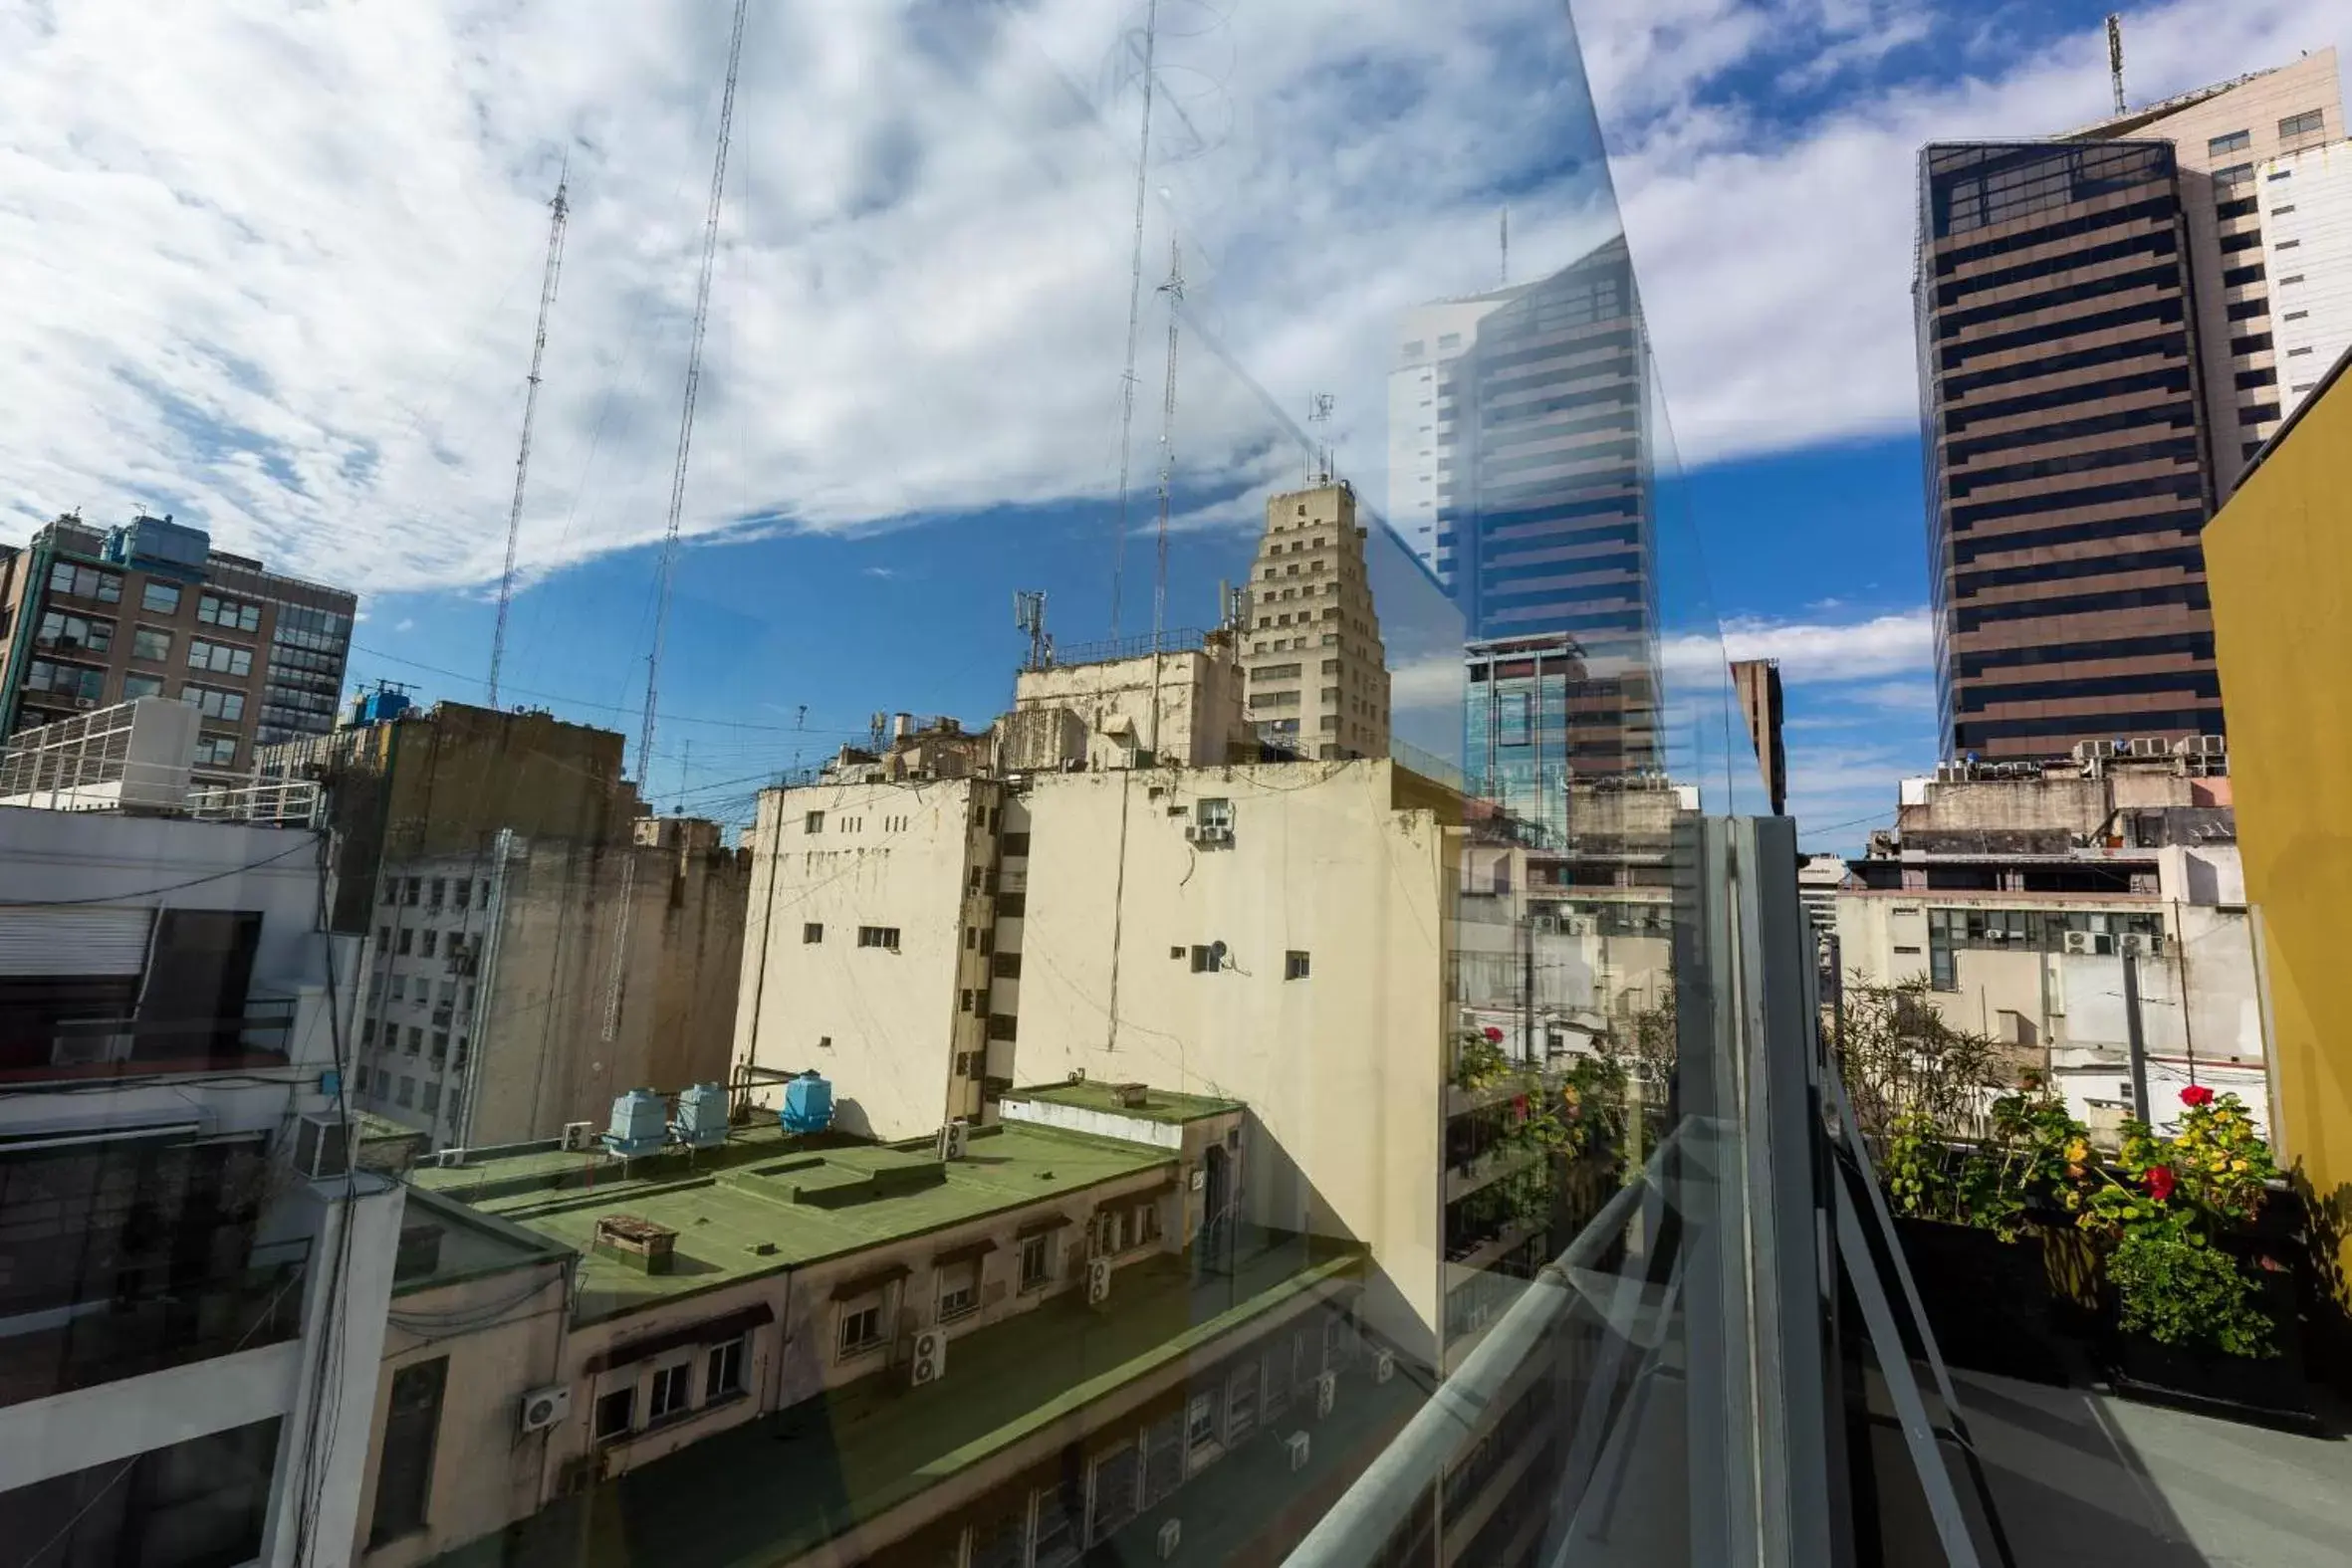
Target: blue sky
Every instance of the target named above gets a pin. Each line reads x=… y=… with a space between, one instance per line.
x=301 y=318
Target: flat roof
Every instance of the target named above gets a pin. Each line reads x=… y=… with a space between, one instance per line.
x=1159 y=1106
x=767 y=1201
x=770 y=1489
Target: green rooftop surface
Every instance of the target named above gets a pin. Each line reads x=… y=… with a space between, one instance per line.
x=770 y=1489
x=473 y=1246
x=768 y=1201
x=1159 y=1106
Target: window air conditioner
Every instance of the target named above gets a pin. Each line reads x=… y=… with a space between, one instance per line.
x=1299 y=1447
x=1097 y=1282
x=322 y=1147
x=1326 y=1393
x=1171 y=1537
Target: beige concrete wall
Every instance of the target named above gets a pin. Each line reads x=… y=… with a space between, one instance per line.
x=487 y=1471
x=581 y=940
x=1341 y=1070
x=1195 y=694
x=888 y=1028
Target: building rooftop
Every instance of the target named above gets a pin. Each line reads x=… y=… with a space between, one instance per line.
x=767 y=1201
x=1157 y=1105
x=773 y=1488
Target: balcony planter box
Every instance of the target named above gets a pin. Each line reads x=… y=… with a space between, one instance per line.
x=2264 y=1391
x=1988 y=1302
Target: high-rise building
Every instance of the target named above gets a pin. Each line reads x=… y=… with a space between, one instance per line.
x=2097 y=362
x=1317 y=672
x=93 y=617
x=2306 y=198
x=1757 y=682
x=1520 y=470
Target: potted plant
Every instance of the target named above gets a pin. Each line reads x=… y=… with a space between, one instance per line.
x=2205 y=1316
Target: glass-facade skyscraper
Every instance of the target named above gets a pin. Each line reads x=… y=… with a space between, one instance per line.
x=1522 y=470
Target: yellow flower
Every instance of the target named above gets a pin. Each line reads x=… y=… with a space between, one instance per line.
x=2077 y=1152
x=2238 y=1165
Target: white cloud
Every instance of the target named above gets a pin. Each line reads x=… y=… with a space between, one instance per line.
x=405 y=624
x=294 y=301
x=1885 y=645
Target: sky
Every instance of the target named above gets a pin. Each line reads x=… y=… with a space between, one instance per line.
x=273 y=269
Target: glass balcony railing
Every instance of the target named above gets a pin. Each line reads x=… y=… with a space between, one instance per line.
x=147 y=1331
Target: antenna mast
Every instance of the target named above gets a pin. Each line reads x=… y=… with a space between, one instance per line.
x=1029 y=615
x=2115 y=55
x=1174 y=290
x=514 y=522
x=1118 y=547
x=1319 y=414
x=702 y=311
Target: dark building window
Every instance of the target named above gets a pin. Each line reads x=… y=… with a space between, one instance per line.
x=196 y=1505
x=1294 y=965
x=404 y=1473
x=2248 y=309
x=813 y=931
x=1006 y=966
x=1002 y=1027
x=878 y=937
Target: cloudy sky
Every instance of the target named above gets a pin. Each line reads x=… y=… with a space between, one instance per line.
x=273 y=268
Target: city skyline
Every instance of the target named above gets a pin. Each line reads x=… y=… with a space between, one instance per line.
x=1802 y=485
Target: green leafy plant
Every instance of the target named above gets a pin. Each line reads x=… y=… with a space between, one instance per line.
x=2178 y=1288
x=1478 y=1061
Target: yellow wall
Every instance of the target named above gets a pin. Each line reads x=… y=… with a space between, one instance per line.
x=2280 y=560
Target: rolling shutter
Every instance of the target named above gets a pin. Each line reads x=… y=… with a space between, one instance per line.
x=37 y=942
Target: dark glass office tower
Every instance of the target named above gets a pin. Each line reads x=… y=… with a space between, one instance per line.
x=2067 y=466
x=1545 y=531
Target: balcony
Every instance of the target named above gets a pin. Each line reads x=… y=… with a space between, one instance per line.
x=97 y=1342
x=109 y=1047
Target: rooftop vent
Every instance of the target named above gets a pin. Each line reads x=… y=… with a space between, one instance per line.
x=1130 y=1096
x=639 y=1243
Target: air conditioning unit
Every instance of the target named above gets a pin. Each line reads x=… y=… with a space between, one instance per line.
x=1576 y=925
x=953 y=1138
x=1097 y=1282
x=86 y=701
x=1171 y=1537
x=1384 y=1366
x=2079 y=942
x=80 y=1049
x=1299 y=1447
x=2150 y=746
x=2138 y=945
x=930 y=1360
x=1209 y=836
x=579 y=1136
x=542 y=1408
x=321 y=1146
x=1326 y=1393
x=445 y=1157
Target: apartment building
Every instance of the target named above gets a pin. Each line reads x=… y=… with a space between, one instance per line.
x=2020 y=893
x=199 y=1235
x=1316 y=668
x=1129 y=704
x=1006 y=1353
x=91 y=618
x=2097 y=362
x=532 y=946
x=1757 y=685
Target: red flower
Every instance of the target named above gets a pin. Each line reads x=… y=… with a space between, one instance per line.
x=2160 y=1182
x=2196 y=1094
x=1518 y=1107
x=1494 y=1036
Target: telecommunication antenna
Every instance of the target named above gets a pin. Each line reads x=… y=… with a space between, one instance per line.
x=1118 y=556
x=877 y=728
x=702 y=313
x=2115 y=55
x=1174 y=290
x=1319 y=416
x=514 y=522
x=1029 y=615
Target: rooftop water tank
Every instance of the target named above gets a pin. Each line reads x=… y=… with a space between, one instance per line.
x=640 y=1124
x=702 y=1116
x=381 y=707
x=808 y=1104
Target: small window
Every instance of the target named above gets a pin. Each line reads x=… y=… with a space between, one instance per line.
x=2235 y=141
x=2310 y=122
x=1444 y=341
x=673 y=1389
x=1036 y=1262
x=1004 y=966
x=812 y=932
x=216 y=750
x=878 y=937
x=138 y=686
x=1012 y=906
x=162 y=597
x=1002 y=1025
x=415 y=1039
x=432 y=940
x=725 y=1375
x=1204 y=959
x=966 y=1004
x=959 y=1293
x=407 y=941
x=813 y=823
x=1295 y=966
x=405 y=1094
x=439 y=894
x=861 y=1330
x=462 y=893
x=483 y=892
x=616 y=1412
